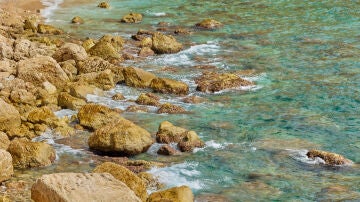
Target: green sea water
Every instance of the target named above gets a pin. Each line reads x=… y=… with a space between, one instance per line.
x=306 y=58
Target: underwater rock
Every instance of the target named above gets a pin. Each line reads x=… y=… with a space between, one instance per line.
x=179 y=194
x=165 y=85
x=77 y=20
x=6 y=166
x=337 y=193
x=137 y=77
x=165 y=44
x=171 y=109
x=70 y=51
x=132 y=18
x=148 y=99
x=209 y=24
x=126 y=176
x=329 y=158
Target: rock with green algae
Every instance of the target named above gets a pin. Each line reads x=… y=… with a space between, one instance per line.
x=329 y=158
x=171 y=86
x=132 y=18
x=175 y=194
x=123 y=174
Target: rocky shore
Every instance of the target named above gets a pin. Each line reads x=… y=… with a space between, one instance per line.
x=43 y=70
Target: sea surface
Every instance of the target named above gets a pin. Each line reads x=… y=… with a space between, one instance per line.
x=303 y=55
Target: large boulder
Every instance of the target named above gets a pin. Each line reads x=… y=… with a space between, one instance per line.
x=81 y=187
x=148 y=99
x=329 y=158
x=126 y=176
x=213 y=82
x=175 y=194
x=42 y=115
x=104 y=80
x=164 y=85
x=209 y=24
x=65 y=100
x=104 y=50
x=9 y=116
x=39 y=69
x=6 y=166
x=163 y=44
x=70 y=51
x=4 y=141
x=95 y=116
x=137 y=77
x=28 y=154
x=121 y=136
x=81 y=90
x=48 y=29
x=132 y=18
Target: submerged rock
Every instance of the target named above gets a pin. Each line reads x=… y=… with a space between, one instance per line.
x=171 y=109
x=6 y=166
x=329 y=158
x=165 y=44
x=148 y=99
x=213 y=82
x=165 y=85
x=95 y=116
x=337 y=193
x=77 y=20
x=132 y=18
x=103 y=5
x=126 y=176
x=81 y=187
x=137 y=77
x=209 y=24
x=175 y=194
x=9 y=116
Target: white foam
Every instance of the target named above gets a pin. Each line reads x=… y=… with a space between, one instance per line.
x=64 y=112
x=300 y=155
x=50 y=7
x=212 y=144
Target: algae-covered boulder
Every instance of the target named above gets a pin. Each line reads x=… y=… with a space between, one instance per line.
x=81 y=187
x=175 y=194
x=70 y=51
x=137 y=77
x=121 y=136
x=103 y=5
x=165 y=85
x=6 y=166
x=171 y=109
x=9 y=116
x=28 y=154
x=65 y=100
x=190 y=141
x=163 y=44
x=30 y=24
x=213 y=82
x=77 y=20
x=329 y=158
x=48 y=29
x=126 y=176
x=209 y=24
x=148 y=99
x=132 y=18
x=95 y=116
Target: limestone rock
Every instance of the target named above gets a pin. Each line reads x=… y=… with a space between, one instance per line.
x=4 y=141
x=121 y=136
x=87 y=44
x=80 y=90
x=69 y=67
x=67 y=101
x=81 y=187
x=104 y=5
x=116 y=41
x=146 y=42
x=148 y=99
x=213 y=82
x=42 y=115
x=167 y=150
x=9 y=116
x=30 y=24
x=175 y=194
x=136 y=108
x=190 y=141
x=132 y=18
x=193 y=99
x=77 y=20
x=137 y=77
x=104 y=80
x=48 y=29
x=6 y=166
x=93 y=64
x=145 y=52
x=70 y=51
x=118 y=96
x=332 y=159
x=171 y=109
x=95 y=116
x=168 y=133
x=28 y=154
x=163 y=44
x=126 y=176
x=209 y=24
x=164 y=85
x=104 y=50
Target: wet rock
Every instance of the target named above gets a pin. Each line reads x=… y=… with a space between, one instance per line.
x=337 y=193
x=9 y=116
x=132 y=18
x=146 y=52
x=146 y=42
x=104 y=80
x=95 y=116
x=168 y=133
x=190 y=141
x=6 y=166
x=209 y=24
x=65 y=100
x=104 y=50
x=4 y=141
x=165 y=44
x=80 y=90
x=137 y=77
x=104 y=5
x=118 y=96
x=167 y=150
x=148 y=99
x=121 y=136
x=171 y=109
x=136 y=108
x=77 y=20
x=28 y=154
x=126 y=176
x=181 y=194
x=164 y=85
x=213 y=82
x=116 y=41
x=39 y=69
x=48 y=29
x=81 y=187
x=151 y=182
x=70 y=51
x=194 y=99
x=329 y=158
x=87 y=44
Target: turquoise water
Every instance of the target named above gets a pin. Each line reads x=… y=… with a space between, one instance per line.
x=307 y=72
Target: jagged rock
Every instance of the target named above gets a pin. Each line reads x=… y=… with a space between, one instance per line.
x=77 y=20
x=190 y=141
x=104 y=5
x=9 y=116
x=80 y=90
x=151 y=182
x=24 y=48
x=137 y=77
x=213 y=82
x=121 y=136
x=48 y=29
x=193 y=99
x=87 y=44
x=167 y=150
x=145 y=52
x=4 y=141
x=126 y=176
x=30 y=24
x=171 y=109
x=42 y=115
x=132 y=18
x=148 y=99
x=164 y=85
x=65 y=100
x=28 y=154
x=81 y=187
x=209 y=24
x=39 y=69
x=136 y=108
x=116 y=41
x=69 y=68
x=93 y=64
x=118 y=96
x=146 y=42
x=70 y=51
x=175 y=194
x=163 y=44
x=104 y=50
x=20 y=132
x=332 y=159
x=95 y=116
x=168 y=133
x=6 y=166
x=104 y=80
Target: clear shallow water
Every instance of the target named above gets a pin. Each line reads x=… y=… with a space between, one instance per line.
x=306 y=58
